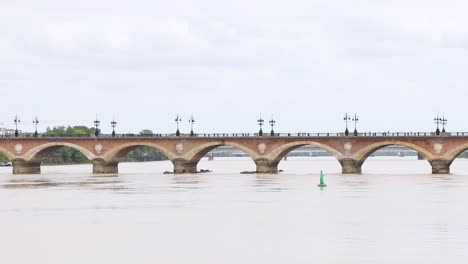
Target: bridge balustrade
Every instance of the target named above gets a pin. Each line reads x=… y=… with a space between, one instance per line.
x=234 y=135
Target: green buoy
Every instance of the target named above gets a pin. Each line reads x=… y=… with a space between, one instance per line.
x=322 y=182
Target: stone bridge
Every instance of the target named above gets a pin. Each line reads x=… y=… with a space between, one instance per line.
x=105 y=153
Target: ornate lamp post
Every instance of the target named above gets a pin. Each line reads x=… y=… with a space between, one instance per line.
x=260 y=122
x=346 y=119
x=113 y=124
x=355 y=120
x=17 y=122
x=178 y=120
x=36 y=122
x=437 y=120
x=272 y=124
x=191 y=121
x=96 y=125
x=443 y=121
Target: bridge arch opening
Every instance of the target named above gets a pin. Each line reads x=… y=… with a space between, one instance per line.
x=390 y=158
x=62 y=155
x=55 y=153
x=137 y=153
x=224 y=157
x=458 y=159
x=58 y=152
x=311 y=157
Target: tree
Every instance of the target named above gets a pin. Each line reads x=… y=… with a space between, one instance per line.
x=3 y=158
x=146 y=132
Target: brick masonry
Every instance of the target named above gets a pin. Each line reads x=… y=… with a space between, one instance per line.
x=185 y=152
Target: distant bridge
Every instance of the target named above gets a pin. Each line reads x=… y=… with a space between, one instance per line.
x=312 y=151
x=105 y=152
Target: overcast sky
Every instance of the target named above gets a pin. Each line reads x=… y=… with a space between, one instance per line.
x=394 y=63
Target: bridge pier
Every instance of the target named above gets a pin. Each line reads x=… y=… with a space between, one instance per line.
x=24 y=167
x=183 y=166
x=266 y=166
x=350 y=166
x=440 y=166
x=104 y=167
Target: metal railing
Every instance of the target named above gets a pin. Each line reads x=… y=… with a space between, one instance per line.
x=245 y=135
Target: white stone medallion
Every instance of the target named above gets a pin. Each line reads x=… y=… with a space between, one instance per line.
x=179 y=147
x=347 y=146
x=98 y=148
x=262 y=147
x=18 y=148
x=438 y=147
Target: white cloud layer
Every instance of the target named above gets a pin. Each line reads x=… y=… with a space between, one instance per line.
x=395 y=63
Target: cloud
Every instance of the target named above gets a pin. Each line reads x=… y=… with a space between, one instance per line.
x=301 y=60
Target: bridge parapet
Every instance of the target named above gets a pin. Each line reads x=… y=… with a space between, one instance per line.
x=243 y=135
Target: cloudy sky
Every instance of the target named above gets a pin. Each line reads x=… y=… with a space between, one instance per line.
x=394 y=63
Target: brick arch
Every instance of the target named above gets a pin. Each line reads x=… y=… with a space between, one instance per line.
x=116 y=153
x=453 y=153
x=10 y=156
x=198 y=152
x=36 y=154
x=277 y=154
x=363 y=153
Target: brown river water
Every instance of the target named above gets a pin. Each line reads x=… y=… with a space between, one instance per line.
x=395 y=212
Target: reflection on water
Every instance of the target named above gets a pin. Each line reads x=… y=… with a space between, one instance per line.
x=186 y=182
x=28 y=182
x=268 y=183
x=25 y=183
x=393 y=213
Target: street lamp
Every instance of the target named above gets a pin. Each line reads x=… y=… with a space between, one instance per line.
x=355 y=120
x=96 y=125
x=346 y=119
x=17 y=122
x=178 y=120
x=443 y=121
x=272 y=124
x=191 y=121
x=113 y=124
x=260 y=123
x=35 y=122
x=437 y=120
